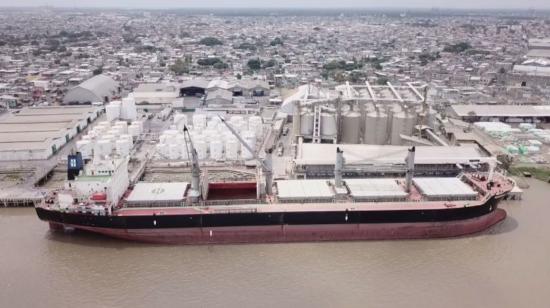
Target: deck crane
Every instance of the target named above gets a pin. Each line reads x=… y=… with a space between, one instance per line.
x=195 y=192
x=339 y=168
x=266 y=163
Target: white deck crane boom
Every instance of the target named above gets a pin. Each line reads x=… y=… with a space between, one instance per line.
x=266 y=163
x=194 y=193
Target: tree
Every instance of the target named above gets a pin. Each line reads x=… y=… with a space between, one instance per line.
x=276 y=41
x=457 y=48
x=254 y=64
x=98 y=71
x=180 y=67
x=210 y=41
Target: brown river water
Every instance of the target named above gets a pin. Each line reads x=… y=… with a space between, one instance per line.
x=506 y=266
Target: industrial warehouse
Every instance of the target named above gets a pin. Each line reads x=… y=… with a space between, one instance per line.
x=39 y=132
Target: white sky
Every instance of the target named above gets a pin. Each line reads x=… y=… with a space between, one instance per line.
x=473 y=4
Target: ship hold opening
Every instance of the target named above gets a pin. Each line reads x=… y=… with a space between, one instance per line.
x=232 y=191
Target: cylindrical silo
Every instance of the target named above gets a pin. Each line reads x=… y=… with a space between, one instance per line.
x=306 y=123
x=397 y=127
x=351 y=126
x=329 y=129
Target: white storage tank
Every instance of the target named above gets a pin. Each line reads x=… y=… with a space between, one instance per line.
x=103 y=148
x=255 y=123
x=134 y=130
x=112 y=112
x=232 y=148
x=162 y=150
x=128 y=110
x=306 y=123
x=202 y=148
x=174 y=151
x=85 y=147
x=127 y=137
x=351 y=126
x=250 y=138
x=139 y=124
x=180 y=120
x=199 y=121
x=216 y=150
x=123 y=147
x=184 y=151
x=328 y=125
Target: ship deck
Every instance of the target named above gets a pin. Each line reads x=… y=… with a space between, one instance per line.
x=413 y=202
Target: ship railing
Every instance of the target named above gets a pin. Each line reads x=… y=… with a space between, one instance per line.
x=233 y=211
x=232 y=202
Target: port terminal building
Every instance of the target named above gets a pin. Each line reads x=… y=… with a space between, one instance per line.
x=501 y=113
x=316 y=161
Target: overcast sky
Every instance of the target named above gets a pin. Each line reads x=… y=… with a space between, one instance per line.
x=475 y=4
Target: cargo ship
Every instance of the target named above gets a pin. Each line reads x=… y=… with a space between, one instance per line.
x=98 y=197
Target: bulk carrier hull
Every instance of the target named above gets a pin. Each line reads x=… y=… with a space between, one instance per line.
x=155 y=226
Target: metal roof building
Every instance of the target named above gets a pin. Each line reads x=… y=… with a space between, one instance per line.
x=477 y=113
x=100 y=88
x=37 y=133
x=317 y=160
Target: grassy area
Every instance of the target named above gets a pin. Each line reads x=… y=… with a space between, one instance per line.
x=541 y=173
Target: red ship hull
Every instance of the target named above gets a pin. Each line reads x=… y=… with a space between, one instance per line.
x=303 y=233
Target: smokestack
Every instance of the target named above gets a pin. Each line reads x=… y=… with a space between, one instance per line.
x=410 y=168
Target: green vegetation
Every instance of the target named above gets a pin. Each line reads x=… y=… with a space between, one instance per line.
x=276 y=41
x=457 y=48
x=382 y=81
x=257 y=64
x=254 y=64
x=98 y=71
x=342 y=65
x=210 y=41
x=247 y=46
x=540 y=172
x=181 y=66
x=427 y=57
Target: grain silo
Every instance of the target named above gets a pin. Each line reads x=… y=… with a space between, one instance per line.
x=329 y=128
x=376 y=128
x=397 y=127
x=351 y=126
x=306 y=123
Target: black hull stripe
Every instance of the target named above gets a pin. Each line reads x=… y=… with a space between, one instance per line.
x=266 y=219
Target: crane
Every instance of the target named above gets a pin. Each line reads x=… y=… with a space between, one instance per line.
x=194 y=193
x=266 y=163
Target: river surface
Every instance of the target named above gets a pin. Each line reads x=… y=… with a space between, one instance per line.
x=506 y=266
